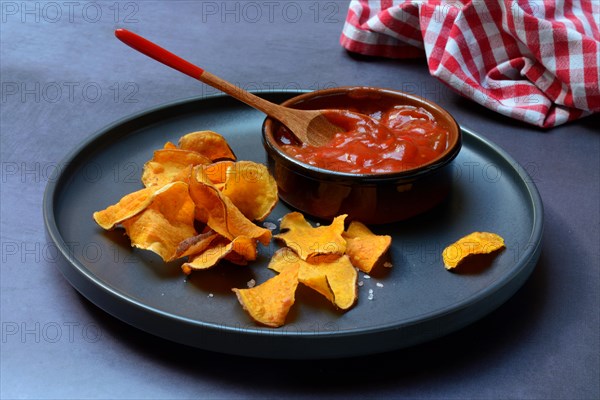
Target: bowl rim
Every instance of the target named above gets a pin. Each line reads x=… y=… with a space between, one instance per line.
x=431 y=166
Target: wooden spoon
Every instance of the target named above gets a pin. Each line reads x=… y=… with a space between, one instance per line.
x=309 y=126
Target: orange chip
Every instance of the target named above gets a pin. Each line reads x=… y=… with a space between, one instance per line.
x=270 y=302
x=195 y=244
x=364 y=248
x=170 y=145
x=252 y=189
x=322 y=243
x=127 y=207
x=474 y=243
x=167 y=164
x=165 y=222
x=222 y=215
x=209 y=144
x=215 y=172
x=335 y=280
x=184 y=175
x=243 y=247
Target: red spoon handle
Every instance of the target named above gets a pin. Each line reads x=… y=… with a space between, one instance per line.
x=158 y=53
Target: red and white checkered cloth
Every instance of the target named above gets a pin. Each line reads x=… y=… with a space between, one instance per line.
x=537 y=61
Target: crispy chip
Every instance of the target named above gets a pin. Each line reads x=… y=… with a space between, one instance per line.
x=242 y=246
x=335 y=280
x=270 y=302
x=222 y=215
x=209 y=144
x=127 y=207
x=215 y=172
x=167 y=164
x=364 y=248
x=252 y=189
x=474 y=243
x=323 y=243
x=165 y=222
x=195 y=244
x=184 y=175
x=170 y=145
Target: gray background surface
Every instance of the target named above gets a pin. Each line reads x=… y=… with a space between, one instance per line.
x=64 y=76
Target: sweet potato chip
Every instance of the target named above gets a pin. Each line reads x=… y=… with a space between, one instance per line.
x=335 y=280
x=323 y=243
x=209 y=144
x=242 y=246
x=222 y=215
x=270 y=302
x=167 y=164
x=183 y=175
x=165 y=222
x=252 y=189
x=474 y=243
x=127 y=207
x=364 y=248
x=170 y=145
x=215 y=172
x=195 y=244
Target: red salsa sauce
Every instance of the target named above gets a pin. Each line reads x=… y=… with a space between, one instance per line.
x=397 y=138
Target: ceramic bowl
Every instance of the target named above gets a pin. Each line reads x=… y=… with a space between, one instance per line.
x=371 y=198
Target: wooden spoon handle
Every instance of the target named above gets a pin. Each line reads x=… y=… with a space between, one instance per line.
x=164 y=56
x=156 y=52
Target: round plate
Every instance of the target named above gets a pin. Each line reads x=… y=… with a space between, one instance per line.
x=414 y=301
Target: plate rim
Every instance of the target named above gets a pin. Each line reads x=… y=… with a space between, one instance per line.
x=84 y=281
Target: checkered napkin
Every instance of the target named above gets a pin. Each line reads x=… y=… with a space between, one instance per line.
x=537 y=61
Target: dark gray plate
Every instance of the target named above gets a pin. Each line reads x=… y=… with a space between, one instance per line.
x=415 y=301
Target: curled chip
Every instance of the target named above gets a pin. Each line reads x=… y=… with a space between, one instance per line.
x=222 y=215
x=127 y=207
x=165 y=222
x=243 y=247
x=195 y=244
x=207 y=143
x=216 y=173
x=270 y=302
x=167 y=164
x=323 y=243
x=336 y=280
x=251 y=188
x=474 y=243
x=364 y=248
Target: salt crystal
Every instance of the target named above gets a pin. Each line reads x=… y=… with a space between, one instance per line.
x=370 y=296
x=251 y=283
x=269 y=225
x=210 y=295
x=387 y=264
x=379 y=284
x=360 y=283
x=367 y=276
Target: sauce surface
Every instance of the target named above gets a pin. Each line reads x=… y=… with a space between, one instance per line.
x=395 y=138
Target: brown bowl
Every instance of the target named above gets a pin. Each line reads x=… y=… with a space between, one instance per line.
x=371 y=198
